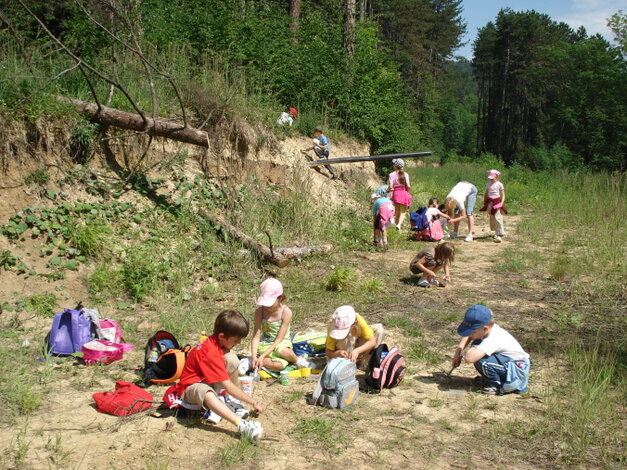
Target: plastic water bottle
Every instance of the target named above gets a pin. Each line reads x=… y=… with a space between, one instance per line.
x=154 y=355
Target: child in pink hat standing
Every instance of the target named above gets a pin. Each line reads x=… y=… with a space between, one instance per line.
x=350 y=337
x=271 y=334
x=493 y=202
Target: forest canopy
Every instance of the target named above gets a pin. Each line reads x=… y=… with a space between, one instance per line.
x=536 y=93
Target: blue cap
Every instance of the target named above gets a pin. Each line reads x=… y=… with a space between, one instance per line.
x=475 y=317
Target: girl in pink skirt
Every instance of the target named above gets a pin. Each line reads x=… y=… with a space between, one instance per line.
x=382 y=214
x=399 y=185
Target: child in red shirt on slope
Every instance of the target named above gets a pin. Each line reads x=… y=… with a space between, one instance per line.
x=211 y=366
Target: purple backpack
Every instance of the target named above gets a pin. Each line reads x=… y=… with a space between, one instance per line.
x=70 y=330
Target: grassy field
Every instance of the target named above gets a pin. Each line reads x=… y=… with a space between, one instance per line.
x=558 y=283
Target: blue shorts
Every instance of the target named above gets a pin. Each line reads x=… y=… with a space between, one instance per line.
x=470 y=200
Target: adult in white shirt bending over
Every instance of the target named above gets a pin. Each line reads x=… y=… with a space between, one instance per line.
x=459 y=205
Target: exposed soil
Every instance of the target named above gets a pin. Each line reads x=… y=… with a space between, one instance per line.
x=427 y=422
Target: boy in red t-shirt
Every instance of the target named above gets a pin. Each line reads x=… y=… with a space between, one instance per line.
x=211 y=366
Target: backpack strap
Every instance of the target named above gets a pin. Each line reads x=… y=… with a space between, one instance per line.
x=323 y=382
x=74 y=322
x=315 y=396
x=386 y=376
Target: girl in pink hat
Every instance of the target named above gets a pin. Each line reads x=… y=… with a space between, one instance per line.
x=493 y=202
x=271 y=334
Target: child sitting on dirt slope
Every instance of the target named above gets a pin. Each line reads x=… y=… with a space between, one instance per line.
x=430 y=260
x=211 y=366
x=271 y=333
x=497 y=356
x=350 y=337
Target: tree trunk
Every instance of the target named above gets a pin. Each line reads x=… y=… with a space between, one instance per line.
x=301 y=251
x=294 y=13
x=134 y=122
x=291 y=252
x=265 y=253
x=349 y=27
x=363 y=6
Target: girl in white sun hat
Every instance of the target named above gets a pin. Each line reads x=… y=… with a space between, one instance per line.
x=350 y=337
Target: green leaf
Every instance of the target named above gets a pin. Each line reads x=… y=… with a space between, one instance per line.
x=71 y=265
x=50 y=194
x=56 y=261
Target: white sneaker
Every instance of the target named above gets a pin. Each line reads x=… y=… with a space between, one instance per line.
x=236 y=407
x=497 y=239
x=452 y=235
x=250 y=430
x=468 y=238
x=302 y=362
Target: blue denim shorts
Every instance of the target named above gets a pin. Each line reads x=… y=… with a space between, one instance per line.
x=470 y=200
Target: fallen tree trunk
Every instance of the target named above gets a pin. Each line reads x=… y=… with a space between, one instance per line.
x=292 y=252
x=134 y=122
x=265 y=252
x=301 y=251
x=327 y=161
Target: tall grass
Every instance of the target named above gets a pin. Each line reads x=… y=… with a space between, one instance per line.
x=581 y=218
x=588 y=423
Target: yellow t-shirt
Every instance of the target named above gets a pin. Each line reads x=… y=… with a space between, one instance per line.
x=360 y=329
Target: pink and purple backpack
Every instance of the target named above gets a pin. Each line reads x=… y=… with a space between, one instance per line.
x=386 y=369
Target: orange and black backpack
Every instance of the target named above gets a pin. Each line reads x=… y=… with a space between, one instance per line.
x=164 y=359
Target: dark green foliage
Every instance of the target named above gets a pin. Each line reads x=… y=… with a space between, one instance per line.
x=550 y=96
x=249 y=44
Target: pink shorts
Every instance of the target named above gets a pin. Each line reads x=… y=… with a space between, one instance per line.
x=384 y=215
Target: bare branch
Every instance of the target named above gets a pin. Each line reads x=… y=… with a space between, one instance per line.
x=93 y=91
x=56 y=77
x=137 y=51
x=86 y=65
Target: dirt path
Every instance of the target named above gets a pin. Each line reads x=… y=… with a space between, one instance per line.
x=429 y=421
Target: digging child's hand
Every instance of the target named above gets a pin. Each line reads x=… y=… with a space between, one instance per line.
x=258 y=406
x=354 y=356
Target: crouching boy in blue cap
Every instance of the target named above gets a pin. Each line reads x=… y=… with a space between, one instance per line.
x=497 y=356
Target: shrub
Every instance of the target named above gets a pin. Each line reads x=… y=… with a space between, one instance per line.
x=340 y=279
x=42 y=304
x=40 y=176
x=90 y=239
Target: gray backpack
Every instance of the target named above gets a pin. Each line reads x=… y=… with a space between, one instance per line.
x=337 y=387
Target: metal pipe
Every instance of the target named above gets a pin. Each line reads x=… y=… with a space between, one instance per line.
x=327 y=161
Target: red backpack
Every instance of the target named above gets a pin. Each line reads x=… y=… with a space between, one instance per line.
x=126 y=399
